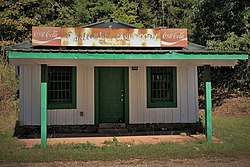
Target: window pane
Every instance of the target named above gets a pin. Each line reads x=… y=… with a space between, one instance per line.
x=59 y=85
x=162 y=84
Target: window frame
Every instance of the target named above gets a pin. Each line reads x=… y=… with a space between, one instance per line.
x=45 y=77
x=151 y=104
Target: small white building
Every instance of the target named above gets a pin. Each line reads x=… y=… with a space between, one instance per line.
x=125 y=82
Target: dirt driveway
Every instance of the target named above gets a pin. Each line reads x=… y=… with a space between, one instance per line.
x=213 y=161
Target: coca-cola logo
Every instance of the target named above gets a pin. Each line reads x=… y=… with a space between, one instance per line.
x=46 y=33
x=173 y=35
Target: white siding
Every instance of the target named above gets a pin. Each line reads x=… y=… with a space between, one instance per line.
x=30 y=78
x=21 y=96
x=187 y=95
x=183 y=87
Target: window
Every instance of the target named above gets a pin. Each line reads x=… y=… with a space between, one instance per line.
x=61 y=83
x=161 y=87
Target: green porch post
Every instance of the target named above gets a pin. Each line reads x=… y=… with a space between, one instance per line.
x=43 y=115
x=208 y=109
x=43 y=108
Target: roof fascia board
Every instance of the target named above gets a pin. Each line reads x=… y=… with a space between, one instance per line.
x=126 y=56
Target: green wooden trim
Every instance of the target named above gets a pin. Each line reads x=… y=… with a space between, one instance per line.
x=174 y=87
x=44 y=73
x=126 y=84
x=43 y=115
x=44 y=77
x=161 y=104
x=148 y=86
x=150 y=56
x=74 y=92
x=96 y=93
x=208 y=109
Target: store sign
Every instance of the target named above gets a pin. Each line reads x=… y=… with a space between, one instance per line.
x=109 y=37
x=173 y=37
x=46 y=36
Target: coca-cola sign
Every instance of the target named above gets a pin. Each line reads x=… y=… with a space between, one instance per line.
x=174 y=37
x=109 y=37
x=46 y=36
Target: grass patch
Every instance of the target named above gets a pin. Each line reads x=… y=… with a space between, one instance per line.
x=233 y=131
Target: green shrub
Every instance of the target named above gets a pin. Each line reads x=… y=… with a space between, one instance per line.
x=8 y=88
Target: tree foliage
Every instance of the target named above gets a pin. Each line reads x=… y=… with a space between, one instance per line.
x=232 y=42
x=144 y=13
x=57 y=13
x=172 y=13
x=16 y=19
x=214 y=19
x=126 y=11
x=235 y=38
x=88 y=12
x=8 y=87
x=18 y=16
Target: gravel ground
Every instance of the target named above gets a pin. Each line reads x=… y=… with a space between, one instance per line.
x=204 y=162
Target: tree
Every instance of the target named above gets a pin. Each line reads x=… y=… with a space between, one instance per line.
x=144 y=13
x=8 y=87
x=126 y=11
x=214 y=19
x=16 y=19
x=231 y=43
x=57 y=13
x=238 y=78
x=18 y=16
x=172 y=13
x=91 y=11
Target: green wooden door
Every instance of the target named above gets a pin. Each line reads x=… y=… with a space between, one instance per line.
x=111 y=92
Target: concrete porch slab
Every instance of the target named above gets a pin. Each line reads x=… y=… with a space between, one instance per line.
x=132 y=140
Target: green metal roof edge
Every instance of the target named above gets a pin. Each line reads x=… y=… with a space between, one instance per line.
x=128 y=56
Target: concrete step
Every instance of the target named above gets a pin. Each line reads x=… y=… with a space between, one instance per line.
x=120 y=131
x=112 y=125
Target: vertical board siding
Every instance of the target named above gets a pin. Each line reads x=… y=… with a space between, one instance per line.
x=27 y=95
x=61 y=116
x=30 y=79
x=184 y=94
x=133 y=100
x=90 y=95
x=196 y=95
x=187 y=95
x=69 y=117
x=21 y=92
x=81 y=99
x=35 y=95
x=142 y=105
x=161 y=116
x=192 y=95
x=176 y=112
x=193 y=92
